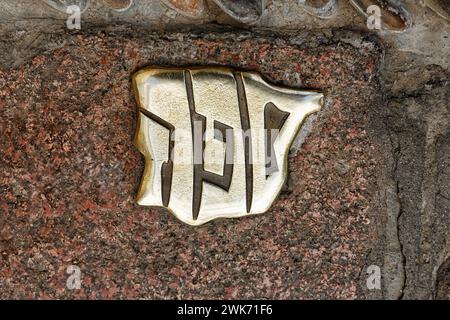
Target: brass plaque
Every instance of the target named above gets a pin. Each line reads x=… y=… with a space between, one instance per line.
x=215 y=140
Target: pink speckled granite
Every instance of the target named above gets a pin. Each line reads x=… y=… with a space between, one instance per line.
x=69 y=172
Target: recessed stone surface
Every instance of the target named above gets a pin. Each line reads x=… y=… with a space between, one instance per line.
x=69 y=173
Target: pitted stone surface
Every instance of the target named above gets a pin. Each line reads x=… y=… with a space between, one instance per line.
x=69 y=172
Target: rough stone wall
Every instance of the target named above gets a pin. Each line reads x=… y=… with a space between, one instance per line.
x=368 y=181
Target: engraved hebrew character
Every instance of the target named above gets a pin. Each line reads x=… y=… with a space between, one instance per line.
x=274 y=120
x=198 y=132
x=167 y=166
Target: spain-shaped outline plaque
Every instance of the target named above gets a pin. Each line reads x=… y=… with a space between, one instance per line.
x=215 y=140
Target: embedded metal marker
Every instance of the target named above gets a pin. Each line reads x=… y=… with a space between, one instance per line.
x=215 y=140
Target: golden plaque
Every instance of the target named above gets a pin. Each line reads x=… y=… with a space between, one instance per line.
x=215 y=140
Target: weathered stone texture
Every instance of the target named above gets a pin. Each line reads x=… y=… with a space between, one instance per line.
x=70 y=171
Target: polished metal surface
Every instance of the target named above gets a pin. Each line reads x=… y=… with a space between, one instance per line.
x=215 y=140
